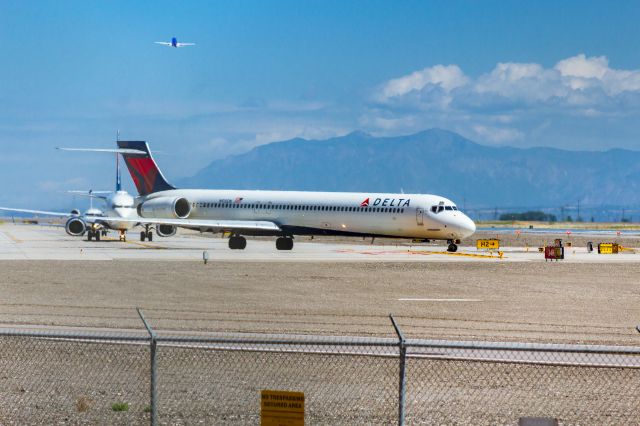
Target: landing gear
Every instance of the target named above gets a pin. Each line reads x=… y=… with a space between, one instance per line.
x=237 y=242
x=104 y=232
x=146 y=235
x=123 y=235
x=284 y=243
x=93 y=235
x=452 y=246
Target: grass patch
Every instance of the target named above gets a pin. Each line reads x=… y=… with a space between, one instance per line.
x=83 y=403
x=147 y=409
x=120 y=406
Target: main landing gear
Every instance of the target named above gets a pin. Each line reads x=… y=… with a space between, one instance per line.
x=147 y=234
x=284 y=243
x=123 y=235
x=237 y=242
x=91 y=234
x=452 y=246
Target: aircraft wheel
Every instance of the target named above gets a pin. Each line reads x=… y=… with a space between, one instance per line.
x=237 y=243
x=143 y=235
x=89 y=235
x=452 y=248
x=149 y=236
x=97 y=235
x=284 y=243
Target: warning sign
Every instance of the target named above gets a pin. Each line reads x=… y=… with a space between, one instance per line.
x=488 y=244
x=281 y=408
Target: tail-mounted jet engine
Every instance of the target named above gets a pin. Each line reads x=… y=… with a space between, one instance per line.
x=165 y=208
x=75 y=226
x=166 y=230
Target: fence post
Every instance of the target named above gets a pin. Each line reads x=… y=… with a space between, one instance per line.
x=403 y=361
x=153 y=388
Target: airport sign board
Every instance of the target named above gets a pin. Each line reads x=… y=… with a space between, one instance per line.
x=281 y=408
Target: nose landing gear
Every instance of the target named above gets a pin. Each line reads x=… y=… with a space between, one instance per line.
x=452 y=246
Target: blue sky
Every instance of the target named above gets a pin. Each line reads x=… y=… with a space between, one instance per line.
x=541 y=73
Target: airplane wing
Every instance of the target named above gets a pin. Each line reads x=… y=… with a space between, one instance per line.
x=6 y=209
x=184 y=44
x=164 y=43
x=254 y=225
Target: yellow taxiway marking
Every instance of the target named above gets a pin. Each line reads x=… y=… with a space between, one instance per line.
x=14 y=238
x=484 y=256
x=420 y=252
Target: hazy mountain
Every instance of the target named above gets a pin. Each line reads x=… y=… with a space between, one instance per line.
x=433 y=161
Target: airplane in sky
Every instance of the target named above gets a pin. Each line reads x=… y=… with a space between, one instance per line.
x=284 y=214
x=174 y=43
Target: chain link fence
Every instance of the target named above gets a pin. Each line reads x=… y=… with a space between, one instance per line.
x=137 y=378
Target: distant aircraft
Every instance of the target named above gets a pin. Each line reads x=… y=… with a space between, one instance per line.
x=95 y=222
x=174 y=43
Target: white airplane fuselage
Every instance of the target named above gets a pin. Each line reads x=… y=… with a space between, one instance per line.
x=419 y=216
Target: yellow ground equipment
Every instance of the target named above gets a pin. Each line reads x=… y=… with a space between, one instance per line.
x=608 y=248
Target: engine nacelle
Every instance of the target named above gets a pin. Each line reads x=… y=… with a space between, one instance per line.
x=166 y=230
x=75 y=227
x=75 y=212
x=165 y=208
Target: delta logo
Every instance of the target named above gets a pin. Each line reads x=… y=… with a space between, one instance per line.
x=387 y=202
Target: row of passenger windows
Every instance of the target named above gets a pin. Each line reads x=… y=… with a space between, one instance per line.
x=299 y=207
x=438 y=209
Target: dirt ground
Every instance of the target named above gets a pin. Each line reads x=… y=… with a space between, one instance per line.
x=515 y=301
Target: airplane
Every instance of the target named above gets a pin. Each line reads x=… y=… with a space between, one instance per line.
x=174 y=43
x=285 y=214
x=95 y=222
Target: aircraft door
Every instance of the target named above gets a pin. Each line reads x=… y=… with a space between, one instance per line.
x=420 y=216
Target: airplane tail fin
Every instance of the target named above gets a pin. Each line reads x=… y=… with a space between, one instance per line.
x=143 y=169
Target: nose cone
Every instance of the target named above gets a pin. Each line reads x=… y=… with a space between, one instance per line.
x=465 y=226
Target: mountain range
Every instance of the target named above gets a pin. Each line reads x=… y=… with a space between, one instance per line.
x=434 y=161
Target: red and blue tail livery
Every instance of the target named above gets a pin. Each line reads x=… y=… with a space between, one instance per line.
x=143 y=169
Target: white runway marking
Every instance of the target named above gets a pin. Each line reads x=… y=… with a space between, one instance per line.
x=440 y=300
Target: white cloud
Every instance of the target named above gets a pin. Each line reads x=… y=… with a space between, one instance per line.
x=497 y=135
x=447 y=77
x=507 y=103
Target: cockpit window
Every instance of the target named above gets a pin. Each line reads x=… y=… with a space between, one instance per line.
x=439 y=208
